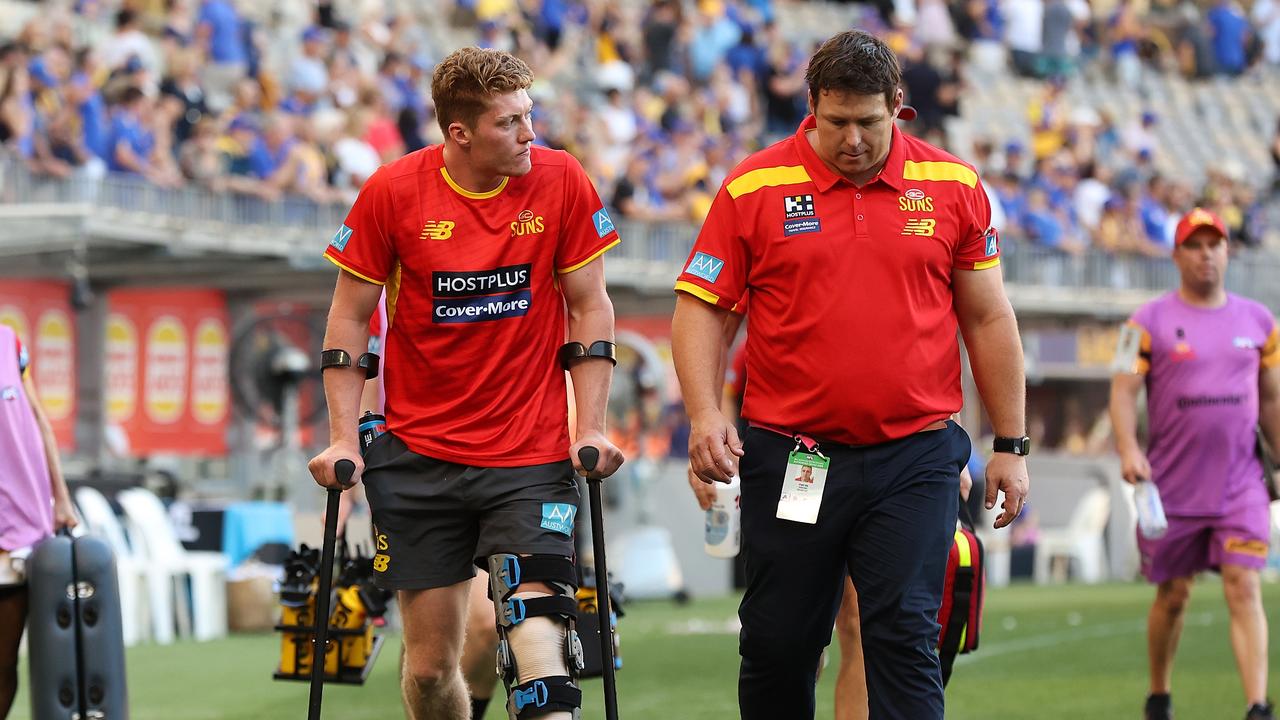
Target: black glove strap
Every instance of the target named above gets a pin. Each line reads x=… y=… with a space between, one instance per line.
x=572 y=352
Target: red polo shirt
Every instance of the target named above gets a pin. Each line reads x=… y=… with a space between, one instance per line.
x=852 y=332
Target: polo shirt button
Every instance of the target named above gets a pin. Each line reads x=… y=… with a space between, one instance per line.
x=858 y=196
x=859 y=217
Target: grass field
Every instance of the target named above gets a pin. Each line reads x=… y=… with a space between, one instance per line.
x=1047 y=653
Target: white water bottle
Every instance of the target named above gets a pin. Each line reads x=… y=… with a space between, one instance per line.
x=1151 y=520
x=723 y=536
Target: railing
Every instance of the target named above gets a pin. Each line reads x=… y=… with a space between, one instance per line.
x=650 y=255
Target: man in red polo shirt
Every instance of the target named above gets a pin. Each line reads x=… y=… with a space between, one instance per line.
x=864 y=250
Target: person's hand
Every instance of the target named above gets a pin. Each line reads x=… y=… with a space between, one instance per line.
x=64 y=514
x=1134 y=466
x=321 y=466
x=966 y=483
x=714 y=447
x=610 y=456
x=703 y=491
x=1007 y=472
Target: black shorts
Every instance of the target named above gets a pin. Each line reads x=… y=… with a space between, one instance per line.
x=436 y=521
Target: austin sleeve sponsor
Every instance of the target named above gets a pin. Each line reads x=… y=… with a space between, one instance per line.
x=480 y=295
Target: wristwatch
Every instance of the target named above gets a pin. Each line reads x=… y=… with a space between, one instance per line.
x=1017 y=446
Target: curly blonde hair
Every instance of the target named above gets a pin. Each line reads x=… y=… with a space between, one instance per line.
x=463 y=83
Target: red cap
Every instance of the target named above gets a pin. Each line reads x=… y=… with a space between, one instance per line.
x=1195 y=220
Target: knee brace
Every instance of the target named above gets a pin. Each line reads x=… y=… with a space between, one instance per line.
x=536 y=696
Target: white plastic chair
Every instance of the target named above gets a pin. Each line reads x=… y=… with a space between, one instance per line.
x=1080 y=540
x=132 y=575
x=205 y=616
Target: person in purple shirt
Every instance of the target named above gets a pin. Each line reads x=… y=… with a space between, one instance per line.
x=33 y=498
x=1210 y=361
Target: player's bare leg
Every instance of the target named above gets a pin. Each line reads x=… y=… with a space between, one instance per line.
x=481 y=644
x=1243 y=591
x=1164 y=628
x=431 y=681
x=851 y=682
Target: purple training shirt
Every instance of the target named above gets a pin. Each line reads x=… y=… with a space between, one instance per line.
x=1201 y=367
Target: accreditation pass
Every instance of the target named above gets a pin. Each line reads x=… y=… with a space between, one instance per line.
x=802 y=486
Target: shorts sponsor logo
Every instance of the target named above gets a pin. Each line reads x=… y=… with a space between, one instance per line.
x=799 y=227
x=798 y=206
x=602 y=221
x=705 y=266
x=920 y=226
x=437 y=230
x=481 y=295
x=1245 y=546
x=381 y=560
x=340 y=238
x=558 y=517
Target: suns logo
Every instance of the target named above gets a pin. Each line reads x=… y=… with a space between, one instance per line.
x=527 y=224
x=914 y=200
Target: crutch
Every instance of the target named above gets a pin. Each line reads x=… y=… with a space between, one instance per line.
x=343 y=469
x=589 y=456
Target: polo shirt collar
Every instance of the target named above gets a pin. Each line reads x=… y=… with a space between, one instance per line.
x=825 y=179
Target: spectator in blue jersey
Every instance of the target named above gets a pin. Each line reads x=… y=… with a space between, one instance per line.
x=1230 y=30
x=220 y=33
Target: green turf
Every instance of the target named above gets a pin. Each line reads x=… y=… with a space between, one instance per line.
x=1064 y=652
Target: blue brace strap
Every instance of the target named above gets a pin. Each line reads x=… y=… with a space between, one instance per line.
x=536 y=698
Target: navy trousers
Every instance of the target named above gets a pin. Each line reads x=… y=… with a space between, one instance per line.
x=887 y=519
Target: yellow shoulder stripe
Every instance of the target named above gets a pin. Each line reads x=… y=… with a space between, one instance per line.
x=939 y=170
x=986 y=264
x=752 y=181
x=366 y=278
x=700 y=293
x=592 y=256
x=1271 y=351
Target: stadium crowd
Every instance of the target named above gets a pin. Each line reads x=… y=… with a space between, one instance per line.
x=659 y=100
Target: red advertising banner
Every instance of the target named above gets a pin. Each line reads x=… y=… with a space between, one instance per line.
x=40 y=312
x=166 y=370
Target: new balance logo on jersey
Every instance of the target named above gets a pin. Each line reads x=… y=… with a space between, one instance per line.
x=437 y=230
x=798 y=206
x=705 y=266
x=920 y=226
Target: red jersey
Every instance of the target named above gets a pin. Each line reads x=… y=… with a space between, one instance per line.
x=475 y=315
x=852 y=333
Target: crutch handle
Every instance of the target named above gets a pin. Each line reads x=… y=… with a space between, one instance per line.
x=343 y=470
x=589 y=456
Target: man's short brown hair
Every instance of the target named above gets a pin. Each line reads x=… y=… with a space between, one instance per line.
x=464 y=82
x=854 y=62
